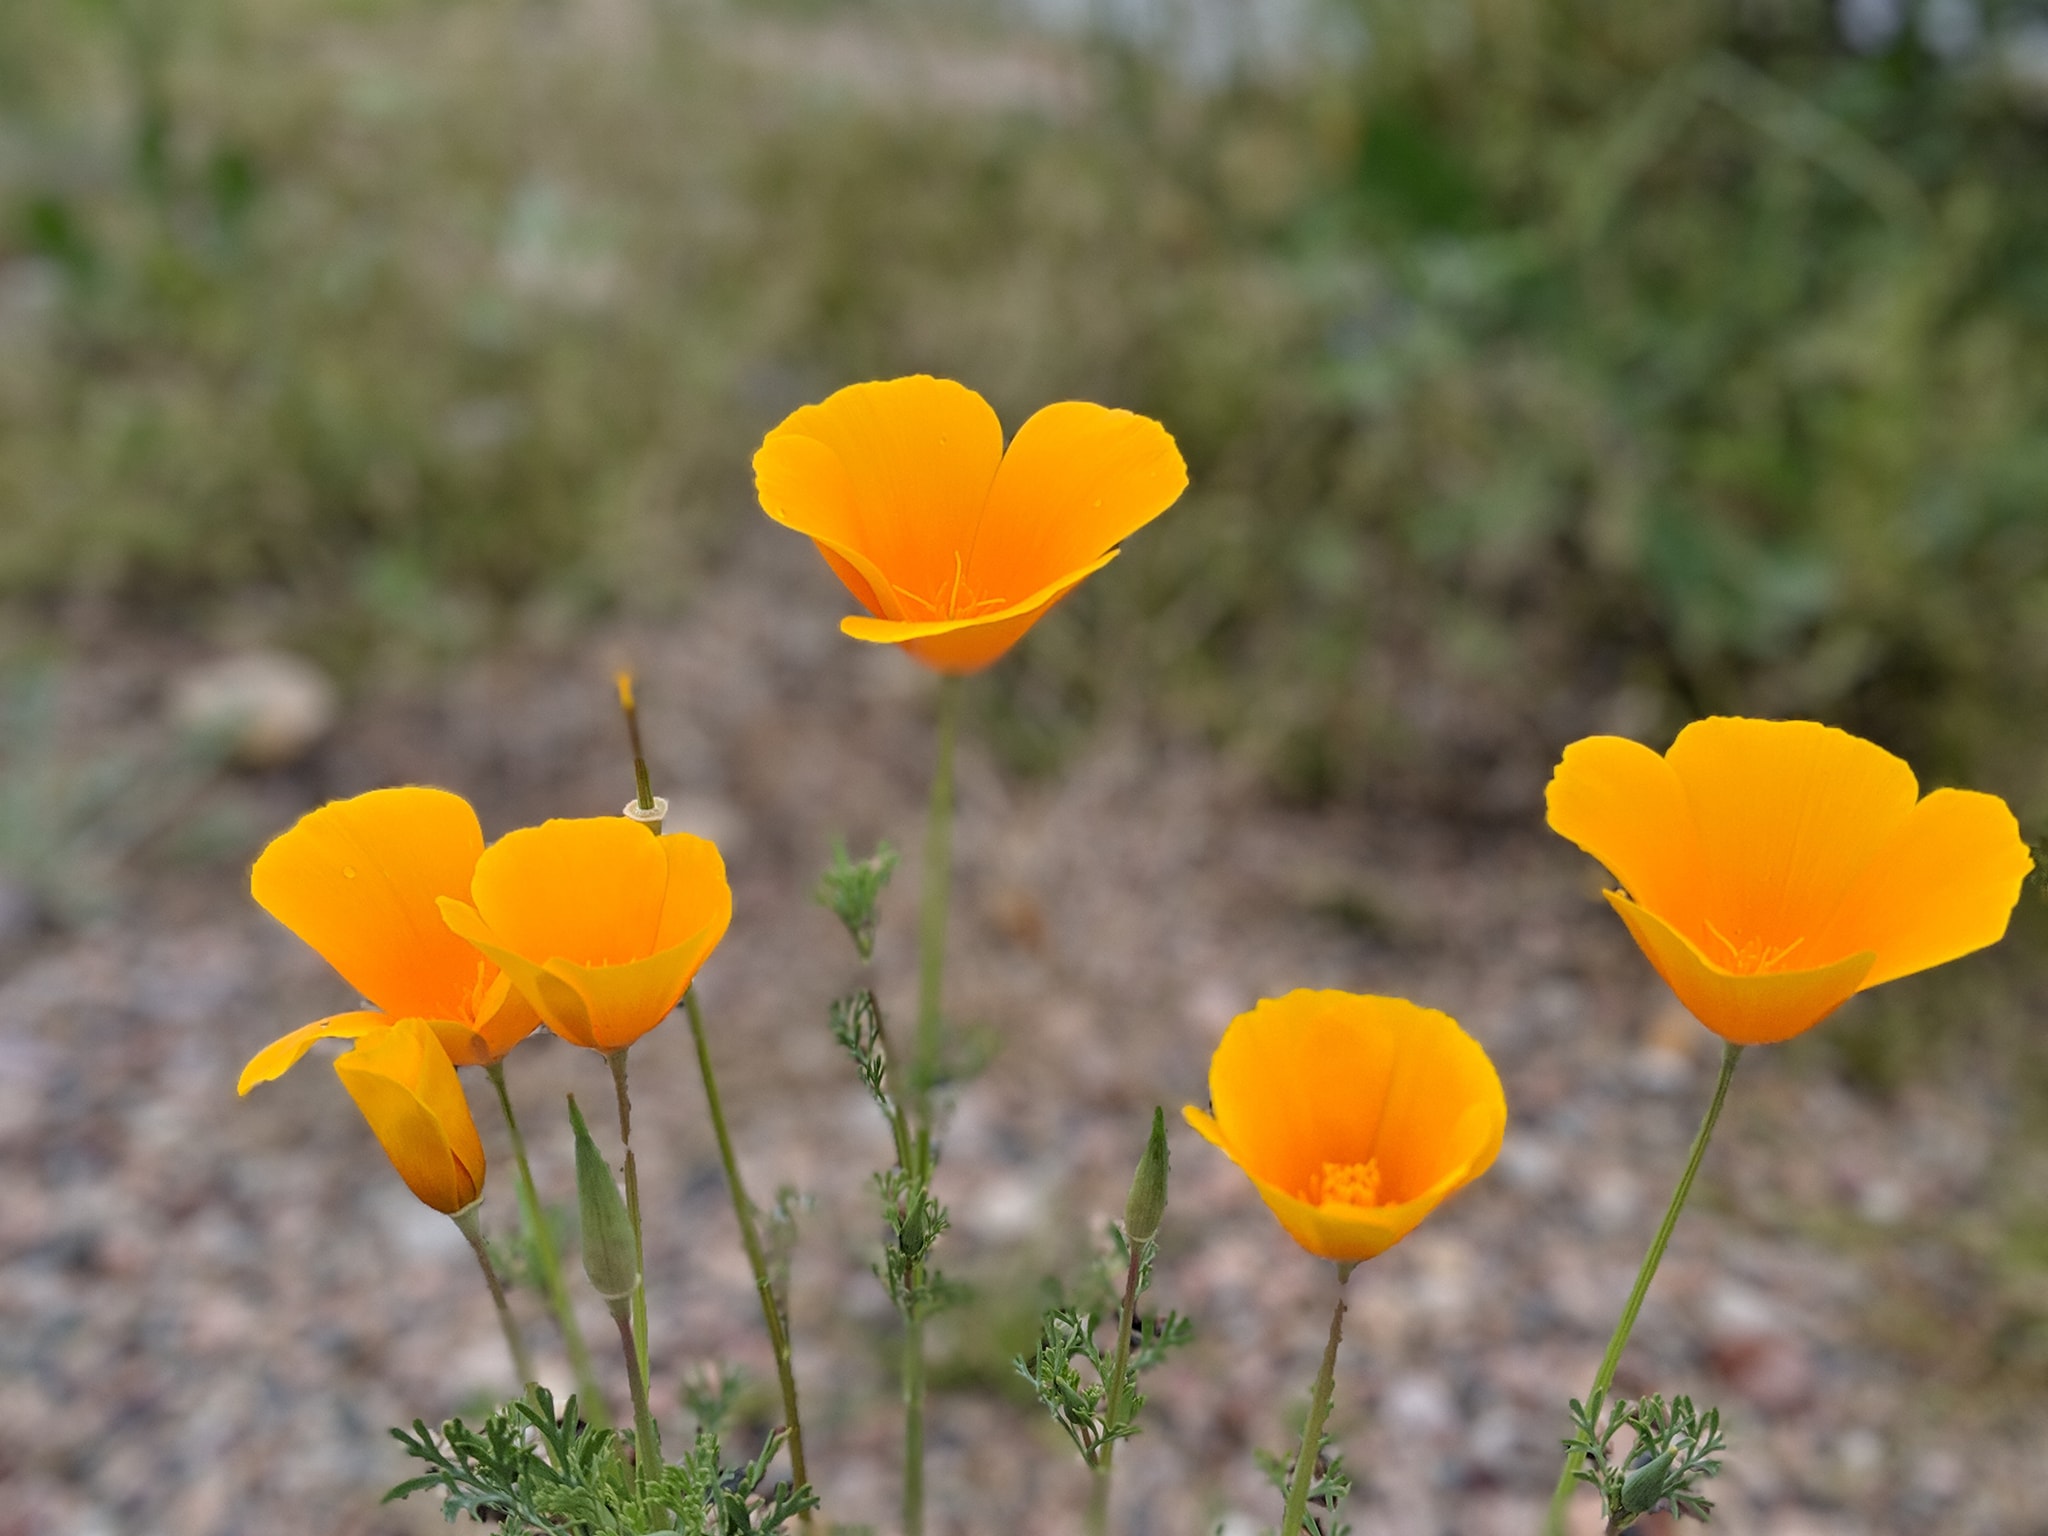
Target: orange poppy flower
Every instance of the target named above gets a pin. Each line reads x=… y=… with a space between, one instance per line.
x=406 y=1087
x=1353 y=1116
x=601 y=924
x=953 y=546
x=358 y=881
x=1771 y=869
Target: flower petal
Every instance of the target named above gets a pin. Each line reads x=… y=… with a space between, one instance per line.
x=556 y=1002
x=961 y=646
x=1789 y=814
x=587 y=889
x=408 y=1091
x=1078 y=479
x=1748 y=1010
x=283 y=1053
x=503 y=1018
x=1621 y=803
x=624 y=1002
x=901 y=484
x=358 y=880
x=1943 y=886
x=697 y=901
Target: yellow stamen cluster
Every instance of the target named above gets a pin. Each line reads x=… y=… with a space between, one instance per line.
x=1353 y=1184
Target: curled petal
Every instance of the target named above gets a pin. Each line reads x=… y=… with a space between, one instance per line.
x=283 y=1053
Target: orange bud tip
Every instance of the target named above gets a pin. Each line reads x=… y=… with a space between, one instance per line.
x=624 y=679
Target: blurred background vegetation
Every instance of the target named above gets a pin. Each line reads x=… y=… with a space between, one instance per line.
x=1543 y=365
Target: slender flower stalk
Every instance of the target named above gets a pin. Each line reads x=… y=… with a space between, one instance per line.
x=931 y=975
x=913 y=1416
x=646 y=1438
x=469 y=1222
x=1113 y=1402
x=932 y=903
x=549 y=1258
x=1318 y=1412
x=617 y=1061
x=1561 y=1498
x=744 y=1210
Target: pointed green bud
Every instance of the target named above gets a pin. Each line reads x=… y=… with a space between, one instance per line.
x=1147 y=1203
x=608 y=1255
x=1643 y=1487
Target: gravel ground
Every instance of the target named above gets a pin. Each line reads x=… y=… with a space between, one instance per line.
x=211 y=1309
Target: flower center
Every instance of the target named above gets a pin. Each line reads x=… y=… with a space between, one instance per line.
x=956 y=600
x=1753 y=956
x=1355 y=1184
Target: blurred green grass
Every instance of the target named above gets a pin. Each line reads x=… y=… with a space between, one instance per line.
x=1543 y=365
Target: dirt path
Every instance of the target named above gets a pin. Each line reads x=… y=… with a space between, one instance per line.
x=210 y=1310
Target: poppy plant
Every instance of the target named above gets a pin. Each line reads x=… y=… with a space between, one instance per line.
x=406 y=1087
x=1353 y=1116
x=954 y=546
x=1772 y=869
x=600 y=923
x=358 y=881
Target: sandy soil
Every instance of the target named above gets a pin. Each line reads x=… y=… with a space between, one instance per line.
x=211 y=1309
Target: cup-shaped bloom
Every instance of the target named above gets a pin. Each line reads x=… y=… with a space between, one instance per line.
x=359 y=880
x=406 y=1087
x=1353 y=1116
x=953 y=546
x=1771 y=869
x=601 y=924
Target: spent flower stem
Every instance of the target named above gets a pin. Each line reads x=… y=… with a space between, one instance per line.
x=743 y=1208
x=1318 y=1411
x=1604 y=1380
x=469 y=1221
x=548 y=1258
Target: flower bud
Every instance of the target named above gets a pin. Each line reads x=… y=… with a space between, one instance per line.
x=609 y=1257
x=1643 y=1487
x=1147 y=1202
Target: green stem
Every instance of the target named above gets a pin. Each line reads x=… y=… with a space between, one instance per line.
x=932 y=903
x=646 y=1438
x=617 y=1061
x=913 y=1411
x=469 y=1222
x=750 y=1236
x=1318 y=1411
x=1561 y=1498
x=589 y=1396
x=1113 y=1404
x=931 y=972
